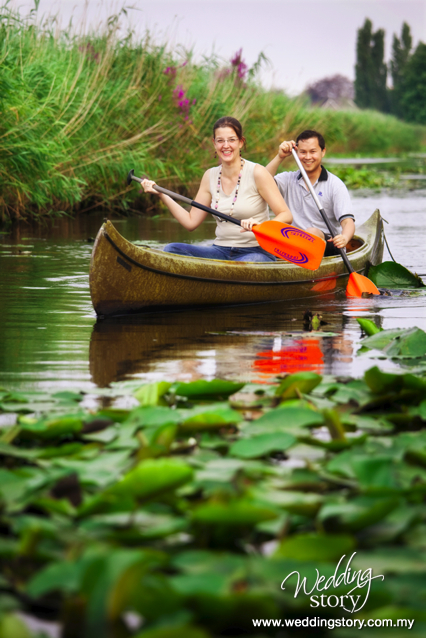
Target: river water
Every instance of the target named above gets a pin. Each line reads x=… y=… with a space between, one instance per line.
x=50 y=337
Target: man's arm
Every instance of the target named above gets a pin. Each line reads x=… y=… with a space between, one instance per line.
x=342 y=208
x=284 y=151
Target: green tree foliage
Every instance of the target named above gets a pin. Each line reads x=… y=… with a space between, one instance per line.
x=371 y=70
x=413 y=87
x=401 y=50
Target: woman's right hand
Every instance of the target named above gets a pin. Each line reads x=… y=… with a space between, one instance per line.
x=148 y=185
x=285 y=148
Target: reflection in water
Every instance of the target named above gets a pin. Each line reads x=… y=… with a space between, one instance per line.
x=288 y=356
x=226 y=343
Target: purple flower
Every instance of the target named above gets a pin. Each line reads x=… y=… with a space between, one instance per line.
x=236 y=60
x=239 y=64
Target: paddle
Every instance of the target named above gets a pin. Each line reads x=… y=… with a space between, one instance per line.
x=282 y=240
x=357 y=284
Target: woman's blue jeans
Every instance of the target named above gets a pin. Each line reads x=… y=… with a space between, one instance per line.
x=254 y=253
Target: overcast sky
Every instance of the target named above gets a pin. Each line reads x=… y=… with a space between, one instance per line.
x=305 y=40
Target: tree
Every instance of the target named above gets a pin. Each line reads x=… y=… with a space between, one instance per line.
x=336 y=87
x=413 y=87
x=401 y=50
x=370 y=69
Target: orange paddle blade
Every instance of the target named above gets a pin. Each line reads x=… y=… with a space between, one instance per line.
x=358 y=284
x=290 y=243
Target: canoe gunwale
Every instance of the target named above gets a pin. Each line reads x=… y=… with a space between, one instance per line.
x=222 y=281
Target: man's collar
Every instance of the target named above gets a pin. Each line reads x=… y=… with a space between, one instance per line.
x=323 y=176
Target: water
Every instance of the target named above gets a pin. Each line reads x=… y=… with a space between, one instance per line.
x=50 y=338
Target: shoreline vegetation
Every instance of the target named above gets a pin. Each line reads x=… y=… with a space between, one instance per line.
x=78 y=111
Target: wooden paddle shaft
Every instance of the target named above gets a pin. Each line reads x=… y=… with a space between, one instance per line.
x=189 y=201
x=321 y=210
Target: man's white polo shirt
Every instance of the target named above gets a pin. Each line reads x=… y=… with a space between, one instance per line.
x=331 y=192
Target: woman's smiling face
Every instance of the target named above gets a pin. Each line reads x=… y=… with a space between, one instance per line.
x=227 y=143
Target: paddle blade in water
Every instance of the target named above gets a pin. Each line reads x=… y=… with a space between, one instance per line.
x=358 y=284
x=290 y=243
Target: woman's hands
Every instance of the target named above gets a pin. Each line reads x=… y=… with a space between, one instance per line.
x=148 y=185
x=247 y=224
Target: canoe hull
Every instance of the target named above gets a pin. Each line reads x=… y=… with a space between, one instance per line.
x=126 y=278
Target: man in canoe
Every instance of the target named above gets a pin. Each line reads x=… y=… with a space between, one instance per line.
x=236 y=187
x=331 y=191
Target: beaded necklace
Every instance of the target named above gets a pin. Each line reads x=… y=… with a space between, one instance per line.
x=236 y=190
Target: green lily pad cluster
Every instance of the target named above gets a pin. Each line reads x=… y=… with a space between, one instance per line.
x=182 y=516
x=404 y=346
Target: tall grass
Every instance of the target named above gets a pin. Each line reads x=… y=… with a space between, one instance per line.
x=78 y=111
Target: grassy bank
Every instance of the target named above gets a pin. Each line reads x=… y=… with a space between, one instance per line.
x=77 y=112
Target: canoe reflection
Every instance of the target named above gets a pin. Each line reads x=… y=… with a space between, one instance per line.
x=250 y=343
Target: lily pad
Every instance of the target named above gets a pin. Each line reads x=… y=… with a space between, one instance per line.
x=392 y=275
x=214 y=388
x=233 y=513
x=315 y=547
x=262 y=445
x=296 y=384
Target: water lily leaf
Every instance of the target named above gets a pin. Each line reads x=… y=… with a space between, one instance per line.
x=234 y=512
x=353 y=392
x=379 y=381
x=214 y=388
x=68 y=396
x=202 y=561
x=221 y=470
x=410 y=344
x=152 y=393
x=195 y=584
x=368 y=326
x=45 y=429
x=315 y=547
x=63 y=576
x=392 y=275
x=114 y=414
x=210 y=417
x=373 y=471
x=284 y=419
x=153 y=417
x=356 y=514
x=296 y=384
x=293 y=502
x=159 y=441
x=151 y=478
x=262 y=445
x=380 y=340
x=385 y=382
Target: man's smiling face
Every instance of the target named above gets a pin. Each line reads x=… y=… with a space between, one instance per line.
x=310 y=154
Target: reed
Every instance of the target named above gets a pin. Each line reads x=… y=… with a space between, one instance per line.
x=77 y=111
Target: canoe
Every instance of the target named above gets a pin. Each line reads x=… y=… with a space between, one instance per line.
x=127 y=278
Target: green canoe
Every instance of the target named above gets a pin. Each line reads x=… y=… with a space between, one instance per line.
x=128 y=278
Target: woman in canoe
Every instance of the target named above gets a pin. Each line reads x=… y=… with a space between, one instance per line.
x=236 y=187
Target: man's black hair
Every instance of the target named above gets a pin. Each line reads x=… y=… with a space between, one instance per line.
x=308 y=134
